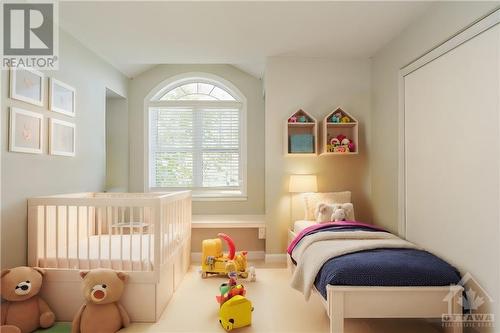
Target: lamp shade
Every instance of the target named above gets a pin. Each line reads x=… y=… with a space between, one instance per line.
x=303 y=183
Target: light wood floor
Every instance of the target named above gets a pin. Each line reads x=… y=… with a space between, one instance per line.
x=278 y=308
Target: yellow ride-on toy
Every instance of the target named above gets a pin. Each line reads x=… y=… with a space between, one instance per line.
x=214 y=261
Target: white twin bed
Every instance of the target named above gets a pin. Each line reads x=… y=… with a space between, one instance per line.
x=367 y=301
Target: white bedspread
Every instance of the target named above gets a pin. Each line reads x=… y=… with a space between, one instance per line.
x=316 y=249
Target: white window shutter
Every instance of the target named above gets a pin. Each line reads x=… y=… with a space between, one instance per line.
x=194 y=147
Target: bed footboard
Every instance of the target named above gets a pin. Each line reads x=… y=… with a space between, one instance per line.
x=391 y=302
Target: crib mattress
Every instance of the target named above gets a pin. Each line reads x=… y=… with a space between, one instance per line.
x=103 y=251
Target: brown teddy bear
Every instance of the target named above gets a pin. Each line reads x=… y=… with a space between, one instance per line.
x=102 y=312
x=24 y=311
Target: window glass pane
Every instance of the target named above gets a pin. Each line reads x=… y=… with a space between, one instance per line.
x=190 y=88
x=221 y=94
x=174 y=169
x=173 y=94
x=220 y=169
x=174 y=128
x=205 y=88
x=198 y=97
x=220 y=129
x=197 y=91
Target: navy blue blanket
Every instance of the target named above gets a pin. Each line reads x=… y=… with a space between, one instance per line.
x=386 y=267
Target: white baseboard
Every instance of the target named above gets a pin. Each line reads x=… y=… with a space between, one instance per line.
x=276 y=258
x=252 y=255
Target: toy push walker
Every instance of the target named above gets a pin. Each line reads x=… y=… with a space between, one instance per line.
x=214 y=261
x=235 y=309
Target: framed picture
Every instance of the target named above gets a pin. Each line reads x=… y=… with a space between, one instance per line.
x=26 y=131
x=62 y=97
x=62 y=138
x=27 y=85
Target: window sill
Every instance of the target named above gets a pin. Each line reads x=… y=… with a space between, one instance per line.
x=218 y=197
x=214 y=195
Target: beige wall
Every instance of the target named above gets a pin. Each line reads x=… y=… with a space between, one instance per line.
x=116 y=144
x=434 y=27
x=27 y=175
x=251 y=87
x=244 y=239
x=317 y=86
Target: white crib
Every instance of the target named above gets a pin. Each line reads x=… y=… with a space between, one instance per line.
x=148 y=235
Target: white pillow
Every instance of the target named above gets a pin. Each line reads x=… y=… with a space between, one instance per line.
x=312 y=200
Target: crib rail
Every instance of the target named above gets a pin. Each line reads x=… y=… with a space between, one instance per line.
x=124 y=231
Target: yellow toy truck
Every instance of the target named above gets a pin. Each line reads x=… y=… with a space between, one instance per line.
x=214 y=261
x=235 y=313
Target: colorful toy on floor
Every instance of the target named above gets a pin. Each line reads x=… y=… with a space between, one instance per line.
x=214 y=261
x=235 y=313
x=102 y=311
x=230 y=289
x=23 y=310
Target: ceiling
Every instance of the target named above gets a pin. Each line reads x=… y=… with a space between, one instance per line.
x=134 y=36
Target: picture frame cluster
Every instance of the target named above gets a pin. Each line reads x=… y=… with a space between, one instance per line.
x=26 y=130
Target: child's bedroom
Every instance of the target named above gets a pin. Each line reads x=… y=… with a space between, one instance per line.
x=250 y=166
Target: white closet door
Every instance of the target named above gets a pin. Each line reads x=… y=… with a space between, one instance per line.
x=452 y=156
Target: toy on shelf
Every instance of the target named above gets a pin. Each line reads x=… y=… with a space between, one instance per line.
x=303 y=119
x=345 y=119
x=292 y=119
x=336 y=117
x=341 y=144
x=214 y=261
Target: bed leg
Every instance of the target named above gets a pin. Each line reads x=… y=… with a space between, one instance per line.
x=456 y=309
x=336 y=312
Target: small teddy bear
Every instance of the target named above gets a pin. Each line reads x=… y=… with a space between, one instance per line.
x=102 y=312
x=341 y=212
x=333 y=212
x=24 y=311
x=323 y=212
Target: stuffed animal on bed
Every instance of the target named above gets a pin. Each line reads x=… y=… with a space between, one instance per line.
x=323 y=212
x=333 y=212
x=341 y=212
x=24 y=311
x=102 y=312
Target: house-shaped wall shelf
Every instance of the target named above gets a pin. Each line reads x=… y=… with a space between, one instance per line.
x=301 y=134
x=338 y=125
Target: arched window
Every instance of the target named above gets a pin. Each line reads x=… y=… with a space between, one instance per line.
x=197 y=137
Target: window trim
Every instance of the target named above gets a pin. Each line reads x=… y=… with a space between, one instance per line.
x=241 y=103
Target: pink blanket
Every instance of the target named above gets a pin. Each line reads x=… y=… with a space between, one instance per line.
x=319 y=226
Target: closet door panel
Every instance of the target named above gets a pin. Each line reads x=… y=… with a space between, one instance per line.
x=452 y=156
